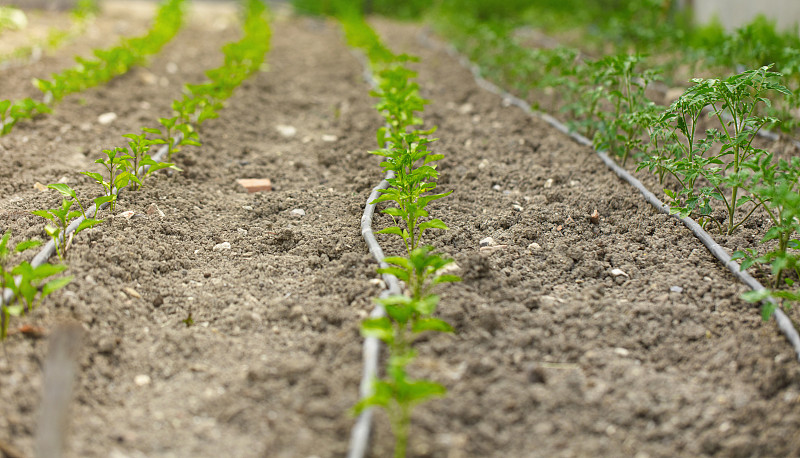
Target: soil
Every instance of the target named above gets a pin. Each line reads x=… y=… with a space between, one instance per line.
x=556 y=353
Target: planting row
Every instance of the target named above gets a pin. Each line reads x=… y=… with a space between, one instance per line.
x=13 y=19
x=107 y=64
x=125 y=167
x=410 y=168
x=714 y=171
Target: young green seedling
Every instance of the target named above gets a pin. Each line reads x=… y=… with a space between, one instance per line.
x=60 y=218
x=24 y=281
x=138 y=159
x=171 y=127
x=407 y=317
x=114 y=164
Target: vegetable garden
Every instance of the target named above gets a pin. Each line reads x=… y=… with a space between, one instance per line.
x=433 y=269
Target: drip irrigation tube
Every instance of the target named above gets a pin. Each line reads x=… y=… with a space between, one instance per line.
x=359 y=435
x=50 y=247
x=783 y=321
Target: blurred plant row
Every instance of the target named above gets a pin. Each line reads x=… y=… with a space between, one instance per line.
x=128 y=166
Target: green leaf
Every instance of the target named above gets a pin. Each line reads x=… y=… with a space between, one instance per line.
x=87 y=223
x=65 y=190
x=27 y=244
x=420 y=390
x=380 y=328
x=55 y=285
x=44 y=214
x=446 y=279
x=396 y=271
x=432 y=224
x=431 y=324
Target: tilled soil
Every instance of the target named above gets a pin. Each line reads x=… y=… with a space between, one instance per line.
x=556 y=353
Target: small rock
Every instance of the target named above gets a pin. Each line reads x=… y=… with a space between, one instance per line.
x=466 y=108
x=548 y=184
x=148 y=78
x=621 y=351
x=172 y=68
x=595 y=217
x=242 y=232
x=142 y=380
x=534 y=246
x=131 y=292
x=488 y=241
x=286 y=131
x=39 y=187
x=378 y=282
x=255 y=184
x=517 y=207
x=153 y=209
x=676 y=289
x=497 y=187
x=298 y=213
x=107 y=118
x=126 y=214
x=222 y=246
x=329 y=138
x=158 y=301
x=618 y=272
x=247 y=207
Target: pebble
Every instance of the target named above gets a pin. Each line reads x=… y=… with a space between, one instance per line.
x=153 y=209
x=298 y=213
x=142 y=380
x=497 y=187
x=548 y=183
x=676 y=289
x=329 y=138
x=534 y=246
x=466 y=108
x=126 y=214
x=488 y=241
x=222 y=246
x=107 y=118
x=286 y=131
x=618 y=272
x=517 y=207
x=247 y=207
x=172 y=68
x=621 y=351
x=242 y=232
x=131 y=292
x=39 y=187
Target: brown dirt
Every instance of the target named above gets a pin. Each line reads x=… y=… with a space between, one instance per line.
x=554 y=356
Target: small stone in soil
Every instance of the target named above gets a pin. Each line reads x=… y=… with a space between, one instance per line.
x=39 y=187
x=329 y=138
x=676 y=289
x=158 y=301
x=141 y=380
x=298 y=213
x=534 y=246
x=247 y=207
x=126 y=214
x=222 y=246
x=548 y=184
x=497 y=187
x=595 y=217
x=107 y=118
x=131 y=292
x=488 y=241
x=286 y=131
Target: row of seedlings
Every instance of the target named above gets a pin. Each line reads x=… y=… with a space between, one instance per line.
x=81 y=15
x=719 y=177
x=105 y=65
x=411 y=174
x=25 y=284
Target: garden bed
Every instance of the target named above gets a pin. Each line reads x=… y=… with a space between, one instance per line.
x=556 y=353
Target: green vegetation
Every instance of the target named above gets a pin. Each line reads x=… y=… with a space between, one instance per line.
x=29 y=285
x=132 y=164
x=714 y=173
x=106 y=64
x=411 y=174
